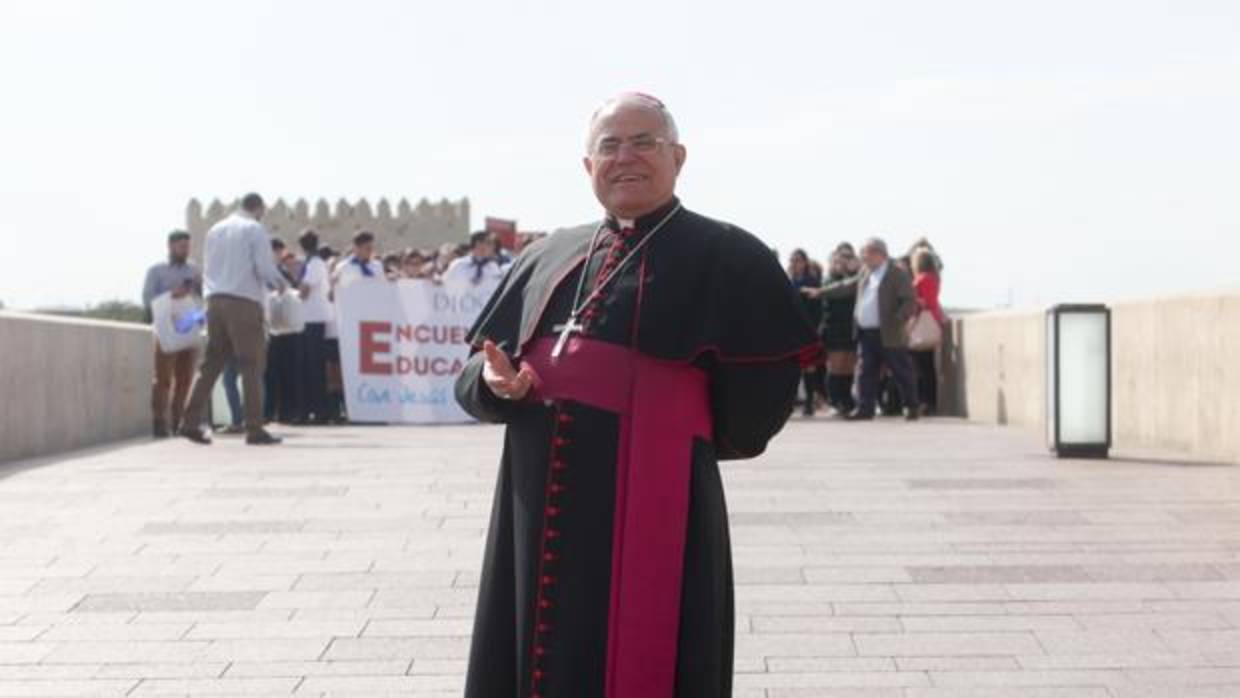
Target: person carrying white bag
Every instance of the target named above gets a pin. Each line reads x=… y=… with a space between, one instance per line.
x=171 y=296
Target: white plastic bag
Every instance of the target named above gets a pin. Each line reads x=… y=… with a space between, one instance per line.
x=178 y=322
x=284 y=313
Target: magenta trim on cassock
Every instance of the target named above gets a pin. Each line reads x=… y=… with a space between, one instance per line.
x=663 y=406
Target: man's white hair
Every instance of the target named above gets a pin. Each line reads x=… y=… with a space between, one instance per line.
x=877 y=244
x=634 y=99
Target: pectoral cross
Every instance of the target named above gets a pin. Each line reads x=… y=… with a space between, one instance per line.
x=565 y=330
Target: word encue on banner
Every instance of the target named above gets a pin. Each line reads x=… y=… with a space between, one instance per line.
x=402 y=345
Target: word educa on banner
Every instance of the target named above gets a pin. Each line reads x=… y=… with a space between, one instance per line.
x=402 y=346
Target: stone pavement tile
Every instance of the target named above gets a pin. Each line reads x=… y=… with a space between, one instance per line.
x=818 y=665
x=316 y=599
x=438 y=666
x=419 y=598
x=1014 y=692
x=1153 y=573
x=38 y=603
x=364 y=615
x=93 y=584
x=374 y=580
x=1128 y=640
x=1154 y=621
x=825 y=624
x=826 y=692
x=1229 y=590
x=124 y=652
x=1068 y=677
x=1201 y=640
x=816 y=592
x=274 y=492
x=957 y=663
x=1108 y=660
x=1196 y=676
x=1226 y=691
x=949 y=484
x=47 y=672
x=855 y=575
x=151 y=670
x=418 y=628
x=21 y=633
x=987 y=623
x=151 y=688
x=287 y=629
x=394 y=667
x=833 y=679
x=795 y=645
x=397 y=648
x=210 y=528
x=952 y=592
x=172 y=601
x=95 y=688
x=1008 y=517
x=928 y=608
x=265 y=650
x=233 y=582
x=24 y=652
x=1081 y=592
x=112 y=632
x=380 y=685
x=998 y=574
x=943 y=644
x=768 y=575
x=257 y=615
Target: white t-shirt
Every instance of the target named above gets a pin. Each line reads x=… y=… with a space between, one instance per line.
x=315 y=307
x=349 y=271
x=466 y=270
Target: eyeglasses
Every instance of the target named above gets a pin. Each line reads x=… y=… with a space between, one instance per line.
x=642 y=144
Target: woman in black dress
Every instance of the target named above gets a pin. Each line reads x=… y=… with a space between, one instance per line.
x=836 y=328
x=805 y=274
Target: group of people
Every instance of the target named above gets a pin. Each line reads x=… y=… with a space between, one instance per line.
x=300 y=374
x=864 y=306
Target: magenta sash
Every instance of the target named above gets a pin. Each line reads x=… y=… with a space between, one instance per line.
x=662 y=405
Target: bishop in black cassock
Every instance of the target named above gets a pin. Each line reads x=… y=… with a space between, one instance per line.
x=650 y=345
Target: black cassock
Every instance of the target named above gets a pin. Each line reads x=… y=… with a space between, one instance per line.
x=607 y=571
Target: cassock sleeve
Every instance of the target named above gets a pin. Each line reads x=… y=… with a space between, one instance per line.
x=750 y=402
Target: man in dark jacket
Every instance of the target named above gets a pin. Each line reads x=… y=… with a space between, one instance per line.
x=885 y=303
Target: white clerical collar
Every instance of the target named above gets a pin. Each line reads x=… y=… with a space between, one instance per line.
x=626 y=223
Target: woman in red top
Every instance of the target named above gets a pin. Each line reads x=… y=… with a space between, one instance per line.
x=926 y=282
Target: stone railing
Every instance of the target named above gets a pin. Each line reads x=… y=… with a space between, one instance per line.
x=69 y=383
x=1175 y=365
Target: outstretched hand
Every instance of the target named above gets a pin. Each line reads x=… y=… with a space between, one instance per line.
x=501 y=377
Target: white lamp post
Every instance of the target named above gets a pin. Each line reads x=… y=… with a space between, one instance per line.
x=1078 y=376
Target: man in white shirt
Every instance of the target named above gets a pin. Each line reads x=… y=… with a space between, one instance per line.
x=885 y=303
x=237 y=270
x=314 y=287
x=479 y=266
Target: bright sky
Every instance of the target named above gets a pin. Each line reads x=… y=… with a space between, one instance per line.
x=1074 y=150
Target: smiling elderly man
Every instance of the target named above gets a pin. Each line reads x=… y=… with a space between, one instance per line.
x=626 y=358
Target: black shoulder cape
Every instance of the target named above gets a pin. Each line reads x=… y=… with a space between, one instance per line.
x=709 y=289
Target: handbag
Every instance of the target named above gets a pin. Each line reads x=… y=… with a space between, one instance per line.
x=178 y=322
x=925 y=333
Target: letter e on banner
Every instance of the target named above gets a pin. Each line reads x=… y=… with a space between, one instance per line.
x=369 y=345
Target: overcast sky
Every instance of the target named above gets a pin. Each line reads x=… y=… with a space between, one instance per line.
x=1053 y=151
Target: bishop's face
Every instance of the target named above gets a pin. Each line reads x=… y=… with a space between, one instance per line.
x=632 y=162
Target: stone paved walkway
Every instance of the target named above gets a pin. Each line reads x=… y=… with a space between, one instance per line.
x=882 y=560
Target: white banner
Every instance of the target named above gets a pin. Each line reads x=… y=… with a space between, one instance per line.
x=402 y=345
